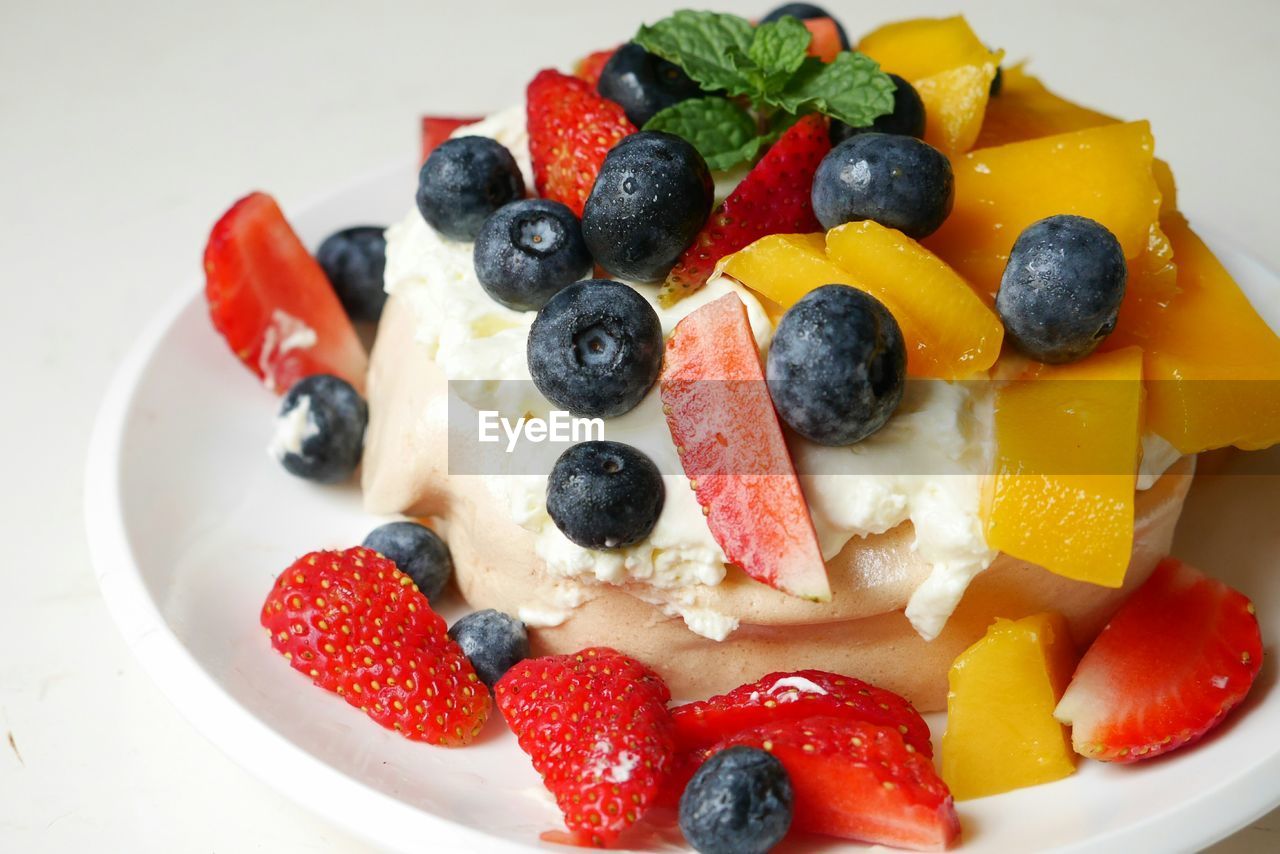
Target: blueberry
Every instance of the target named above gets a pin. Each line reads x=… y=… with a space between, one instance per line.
x=651 y=198
x=417 y=551
x=907 y=118
x=806 y=12
x=738 y=802
x=464 y=181
x=320 y=429
x=604 y=495
x=1062 y=288
x=354 y=260
x=997 y=82
x=528 y=251
x=837 y=365
x=644 y=84
x=493 y=641
x=898 y=181
x=595 y=348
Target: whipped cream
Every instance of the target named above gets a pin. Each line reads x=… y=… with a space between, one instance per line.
x=293 y=428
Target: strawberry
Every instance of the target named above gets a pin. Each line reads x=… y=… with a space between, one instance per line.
x=858 y=780
x=571 y=129
x=360 y=628
x=271 y=301
x=732 y=449
x=1179 y=655
x=597 y=728
x=590 y=66
x=774 y=198
x=436 y=129
x=825 y=38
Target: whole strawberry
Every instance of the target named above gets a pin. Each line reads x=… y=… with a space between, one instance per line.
x=596 y=726
x=360 y=628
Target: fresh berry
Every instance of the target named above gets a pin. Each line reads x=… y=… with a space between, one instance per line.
x=354 y=260
x=1061 y=290
x=571 y=129
x=650 y=200
x=824 y=38
x=859 y=780
x=897 y=181
x=997 y=82
x=596 y=726
x=271 y=301
x=739 y=802
x=774 y=198
x=590 y=66
x=436 y=129
x=837 y=365
x=465 y=180
x=529 y=251
x=493 y=642
x=595 y=348
x=604 y=495
x=734 y=453
x=417 y=551
x=806 y=12
x=358 y=627
x=644 y=84
x=1176 y=658
x=907 y=118
x=320 y=429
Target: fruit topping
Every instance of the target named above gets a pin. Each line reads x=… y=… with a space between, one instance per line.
x=320 y=429
x=897 y=181
x=604 y=495
x=354 y=260
x=596 y=726
x=417 y=551
x=907 y=118
x=492 y=641
x=436 y=129
x=739 y=802
x=650 y=200
x=358 y=627
x=595 y=348
x=805 y=12
x=733 y=450
x=272 y=303
x=592 y=65
x=1177 y=657
x=465 y=180
x=644 y=84
x=529 y=251
x=837 y=365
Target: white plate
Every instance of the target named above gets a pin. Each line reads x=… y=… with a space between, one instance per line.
x=189 y=522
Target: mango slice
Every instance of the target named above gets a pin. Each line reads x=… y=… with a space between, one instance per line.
x=948 y=65
x=1001 y=734
x=1067 y=446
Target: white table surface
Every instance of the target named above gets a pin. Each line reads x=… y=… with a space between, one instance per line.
x=127 y=127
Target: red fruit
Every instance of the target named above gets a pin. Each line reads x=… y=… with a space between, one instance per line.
x=597 y=728
x=571 y=129
x=591 y=65
x=857 y=780
x=436 y=129
x=774 y=198
x=732 y=449
x=359 y=627
x=271 y=301
x=825 y=43
x=1179 y=655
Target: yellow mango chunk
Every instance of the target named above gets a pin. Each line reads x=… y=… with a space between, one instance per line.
x=1001 y=734
x=1067 y=446
x=1103 y=173
x=955 y=334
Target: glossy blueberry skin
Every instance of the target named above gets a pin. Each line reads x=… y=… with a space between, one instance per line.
x=837 y=366
x=898 y=181
x=1062 y=287
x=644 y=84
x=604 y=495
x=336 y=416
x=529 y=251
x=805 y=12
x=738 y=802
x=651 y=198
x=595 y=348
x=494 y=642
x=463 y=182
x=907 y=118
x=417 y=551
x=354 y=260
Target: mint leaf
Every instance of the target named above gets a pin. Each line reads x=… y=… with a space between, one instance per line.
x=711 y=48
x=724 y=133
x=778 y=49
x=852 y=88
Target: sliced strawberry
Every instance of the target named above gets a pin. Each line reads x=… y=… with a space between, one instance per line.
x=858 y=780
x=591 y=65
x=732 y=448
x=271 y=301
x=825 y=43
x=1179 y=655
x=774 y=198
x=596 y=726
x=571 y=129
x=436 y=129
x=360 y=628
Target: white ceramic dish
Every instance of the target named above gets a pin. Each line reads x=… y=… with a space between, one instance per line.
x=189 y=522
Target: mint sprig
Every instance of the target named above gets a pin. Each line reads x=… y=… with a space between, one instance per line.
x=724 y=133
